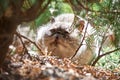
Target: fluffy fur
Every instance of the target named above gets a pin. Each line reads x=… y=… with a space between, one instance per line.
x=61 y=39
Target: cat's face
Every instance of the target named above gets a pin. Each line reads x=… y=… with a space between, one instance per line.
x=58 y=40
x=61 y=39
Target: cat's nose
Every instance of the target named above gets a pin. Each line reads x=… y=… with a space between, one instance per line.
x=57 y=35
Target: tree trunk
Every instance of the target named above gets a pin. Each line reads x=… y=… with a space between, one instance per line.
x=7 y=30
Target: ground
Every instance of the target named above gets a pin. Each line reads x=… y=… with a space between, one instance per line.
x=23 y=67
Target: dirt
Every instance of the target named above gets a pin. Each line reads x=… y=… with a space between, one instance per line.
x=23 y=67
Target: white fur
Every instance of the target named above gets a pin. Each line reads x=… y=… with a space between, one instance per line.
x=65 y=21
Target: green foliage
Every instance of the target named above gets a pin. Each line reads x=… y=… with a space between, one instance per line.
x=43 y=18
x=104 y=14
x=107 y=13
x=111 y=61
x=58 y=7
x=62 y=8
x=96 y=7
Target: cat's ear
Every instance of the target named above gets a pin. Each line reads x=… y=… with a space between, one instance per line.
x=52 y=20
x=80 y=25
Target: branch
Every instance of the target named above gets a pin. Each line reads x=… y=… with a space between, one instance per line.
x=26 y=51
x=80 y=4
x=104 y=54
x=100 y=48
x=81 y=42
x=34 y=11
x=103 y=40
x=88 y=9
x=31 y=42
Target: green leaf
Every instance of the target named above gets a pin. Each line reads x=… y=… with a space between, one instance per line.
x=96 y=7
x=63 y=8
x=43 y=18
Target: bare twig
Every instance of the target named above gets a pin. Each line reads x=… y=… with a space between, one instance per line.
x=100 y=48
x=75 y=17
x=103 y=40
x=35 y=10
x=104 y=54
x=88 y=9
x=80 y=4
x=32 y=43
x=81 y=41
x=26 y=51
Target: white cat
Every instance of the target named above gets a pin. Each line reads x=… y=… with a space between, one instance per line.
x=61 y=38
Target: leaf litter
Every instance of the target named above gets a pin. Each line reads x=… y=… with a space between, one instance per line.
x=21 y=67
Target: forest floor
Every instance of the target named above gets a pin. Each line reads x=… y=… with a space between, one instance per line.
x=23 y=67
x=19 y=66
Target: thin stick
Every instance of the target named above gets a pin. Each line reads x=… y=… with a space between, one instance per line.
x=88 y=9
x=75 y=17
x=81 y=42
x=103 y=40
x=100 y=48
x=32 y=43
x=106 y=53
x=26 y=51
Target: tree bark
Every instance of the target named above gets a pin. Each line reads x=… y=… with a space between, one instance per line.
x=7 y=30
